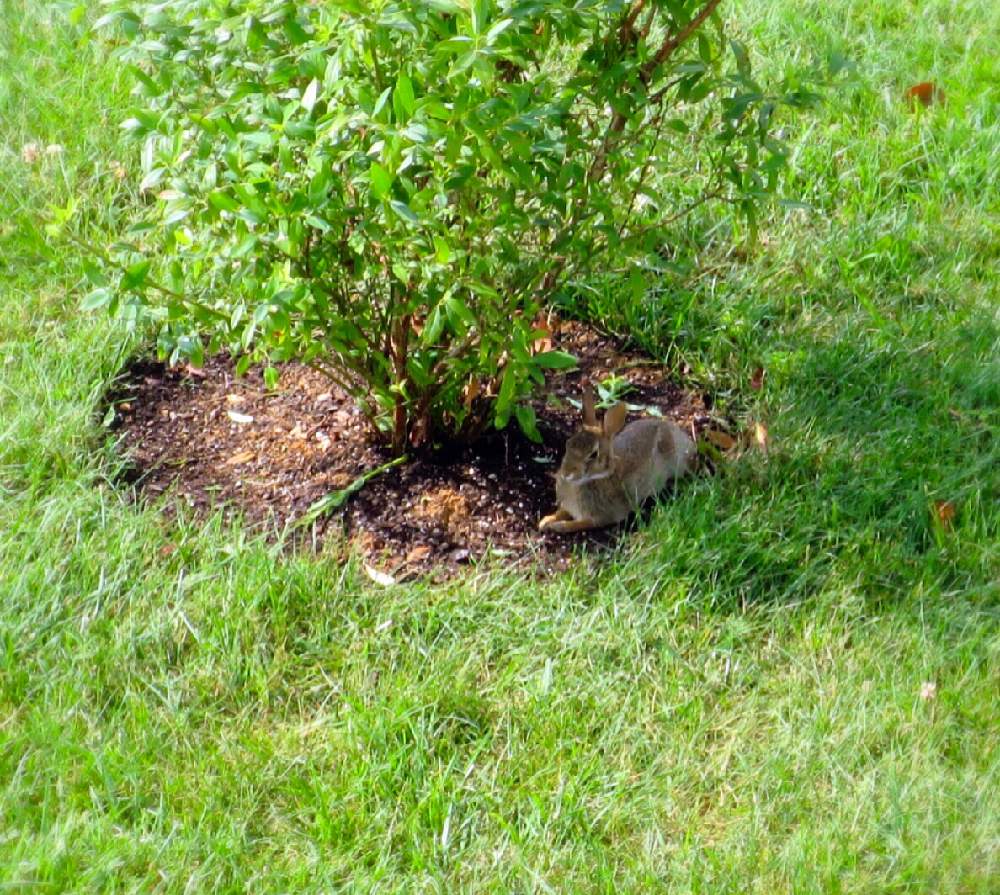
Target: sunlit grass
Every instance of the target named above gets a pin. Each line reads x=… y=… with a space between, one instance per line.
x=738 y=701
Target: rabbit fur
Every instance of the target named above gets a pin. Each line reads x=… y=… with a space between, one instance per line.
x=609 y=469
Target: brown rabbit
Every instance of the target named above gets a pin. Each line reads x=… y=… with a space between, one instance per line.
x=608 y=471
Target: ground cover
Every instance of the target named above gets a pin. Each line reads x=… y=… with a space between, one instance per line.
x=784 y=680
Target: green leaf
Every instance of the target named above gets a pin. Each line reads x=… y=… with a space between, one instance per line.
x=704 y=49
x=459 y=315
x=480 y=15
x=309 y=97
x=555 y=360
x=380 y=180
x=497 y=30
x=223 y=201
x=294 y=31
x=442 y=251
x=525 y=415
x=404 y=211
x=403 y=99
x=742 y=59
x=135 y=275
x=99 y=298
x=433 y=327
x=94 y=274
x=505 y=397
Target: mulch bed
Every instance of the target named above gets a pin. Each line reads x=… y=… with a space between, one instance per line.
x=213 y=441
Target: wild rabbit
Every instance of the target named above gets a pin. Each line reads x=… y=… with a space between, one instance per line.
x=609 y=470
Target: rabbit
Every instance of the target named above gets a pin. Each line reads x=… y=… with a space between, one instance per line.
x=609 y=470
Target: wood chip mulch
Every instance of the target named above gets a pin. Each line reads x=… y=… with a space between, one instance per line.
x=214 y=441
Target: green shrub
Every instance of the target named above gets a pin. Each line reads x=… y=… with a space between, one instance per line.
x=388 y=191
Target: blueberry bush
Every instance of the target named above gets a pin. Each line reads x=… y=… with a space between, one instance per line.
x=390 y=192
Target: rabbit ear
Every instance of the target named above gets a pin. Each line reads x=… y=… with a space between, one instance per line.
x=589 y=413
x=614 y=420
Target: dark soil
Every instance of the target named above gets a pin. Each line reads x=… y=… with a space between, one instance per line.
x=218 y=441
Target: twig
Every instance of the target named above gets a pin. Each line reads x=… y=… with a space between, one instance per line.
x=152 y=284
x=672 y=42
x=645 y=169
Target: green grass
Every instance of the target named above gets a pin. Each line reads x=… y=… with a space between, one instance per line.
x=733 y=704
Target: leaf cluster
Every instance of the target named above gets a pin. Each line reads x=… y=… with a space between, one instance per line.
x=388 y=191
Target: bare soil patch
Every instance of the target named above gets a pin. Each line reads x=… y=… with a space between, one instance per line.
x=217 y=441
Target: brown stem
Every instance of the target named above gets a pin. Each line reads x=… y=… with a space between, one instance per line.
x=618 y=120
x=644 y=31
x=400 y=346
x=625 y=34
x=673 y=41
x=667 y=49
x=323 y=369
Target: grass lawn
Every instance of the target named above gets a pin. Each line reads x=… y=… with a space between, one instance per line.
x=787 y=681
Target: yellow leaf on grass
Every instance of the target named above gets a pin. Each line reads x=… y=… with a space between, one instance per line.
x=945 y=512
x=722 y=440
x=378 y=577
x=761 y=437
x=925 y=93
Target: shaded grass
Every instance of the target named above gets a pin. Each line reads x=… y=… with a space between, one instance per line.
x=731 y=704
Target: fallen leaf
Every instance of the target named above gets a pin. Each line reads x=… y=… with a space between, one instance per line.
x=544 y=341
x=240 y=418
x=720 y=439
x=418 y=554
x=945 y=511
x=235 y=399
x=757 y=380
x=928 y=691
x=378 y=577
x=241 y=457
x=471 y=392
x=925 y=93
x=761 y=438
x=196 y=372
